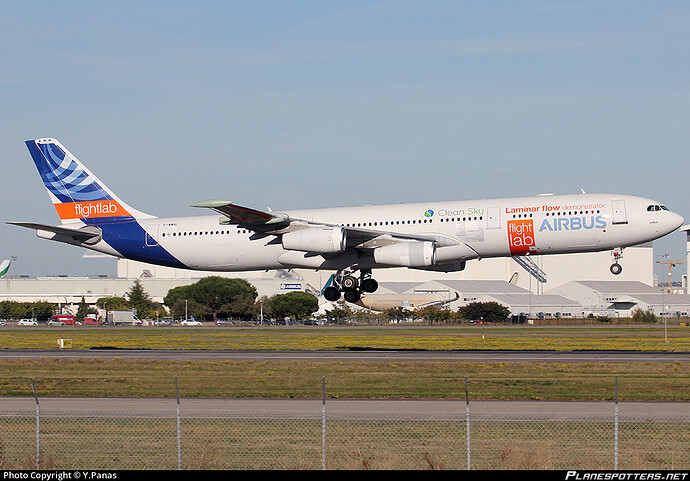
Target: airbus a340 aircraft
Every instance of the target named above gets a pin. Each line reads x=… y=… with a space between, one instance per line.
x=352 y=241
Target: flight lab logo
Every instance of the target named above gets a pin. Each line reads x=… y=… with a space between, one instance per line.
x=429 y=213
x=521 y=237
x=85 y=210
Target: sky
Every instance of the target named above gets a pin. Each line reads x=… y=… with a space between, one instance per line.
x=301 y=104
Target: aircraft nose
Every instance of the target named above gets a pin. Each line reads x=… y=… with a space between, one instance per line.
x=675 y=221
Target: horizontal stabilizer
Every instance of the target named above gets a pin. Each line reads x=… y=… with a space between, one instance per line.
x=86 y=235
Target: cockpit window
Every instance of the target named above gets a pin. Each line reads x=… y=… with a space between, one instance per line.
x=653 y=208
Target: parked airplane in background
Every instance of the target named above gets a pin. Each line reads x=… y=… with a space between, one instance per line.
x=439 y=236
x=414 y=301
x=4 y=267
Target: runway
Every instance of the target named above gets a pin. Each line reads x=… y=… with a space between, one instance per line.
x=352 y=356
x=343 y=408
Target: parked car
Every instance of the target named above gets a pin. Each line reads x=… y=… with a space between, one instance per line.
x=165 y=321
x=190 y=322
x=54 y=322
x=3 y=322
x=224 y=322
x=27 y=322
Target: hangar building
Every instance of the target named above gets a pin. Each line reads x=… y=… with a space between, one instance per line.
x=620 y=298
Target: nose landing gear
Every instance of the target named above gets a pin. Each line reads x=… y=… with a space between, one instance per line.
x=351 y=288
x=616 y=268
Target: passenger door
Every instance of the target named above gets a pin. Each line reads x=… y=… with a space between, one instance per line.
x=619 y=214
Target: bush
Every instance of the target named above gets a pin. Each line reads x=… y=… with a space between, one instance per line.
x=648 y=316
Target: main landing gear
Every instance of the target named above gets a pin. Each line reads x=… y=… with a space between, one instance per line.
x=616 y=267
x=351 y=288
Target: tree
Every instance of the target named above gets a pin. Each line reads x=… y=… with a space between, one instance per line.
x=341 y=310
x=232 y=297
x=295 y=305
x=83 y=310
x=398 y=313
x=434 y=314
x=214 y=296
x=487 y=311
x=140 y=300
x=180 y=301
x=19 y=310
x=112 y=303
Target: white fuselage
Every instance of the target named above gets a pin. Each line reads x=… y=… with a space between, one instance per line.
x=548 y=224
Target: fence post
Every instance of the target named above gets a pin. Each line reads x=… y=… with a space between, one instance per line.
x=467 y=424
x=179 y=440
x=615 y=429
x=38 y=427
x=323 y=423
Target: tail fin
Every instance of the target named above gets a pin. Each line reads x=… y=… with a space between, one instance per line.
x=4 y=267
x=76 y=193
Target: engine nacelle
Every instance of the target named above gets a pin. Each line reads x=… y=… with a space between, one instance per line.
x=406 y=254
x=457 y=253
x=323 y=240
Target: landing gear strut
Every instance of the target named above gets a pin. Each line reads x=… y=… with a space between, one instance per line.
x=351 y=288
x=616 y=267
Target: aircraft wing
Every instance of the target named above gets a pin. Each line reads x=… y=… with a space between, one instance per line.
x=243 y=216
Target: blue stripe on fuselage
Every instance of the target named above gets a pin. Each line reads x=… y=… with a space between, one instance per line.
x=128 y=238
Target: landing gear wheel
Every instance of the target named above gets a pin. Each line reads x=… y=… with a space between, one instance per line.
x=369 y=285
x=349 y=283
x=616 y=268
x=352 y=296
x=331 y=294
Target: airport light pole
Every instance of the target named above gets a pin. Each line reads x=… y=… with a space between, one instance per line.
x=664 y=317
x=663 y=292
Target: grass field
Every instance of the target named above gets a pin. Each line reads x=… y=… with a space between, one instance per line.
x=437 y=380
x=339 y=338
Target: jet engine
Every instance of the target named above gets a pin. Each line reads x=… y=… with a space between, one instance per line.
x=323 y=240
x=455 y=253
x=406 y=254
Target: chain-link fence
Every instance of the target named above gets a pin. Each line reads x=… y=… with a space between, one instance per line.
x=341 y=434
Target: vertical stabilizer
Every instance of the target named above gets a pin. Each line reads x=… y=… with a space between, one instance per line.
x=4 y=267
x=77 y=194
